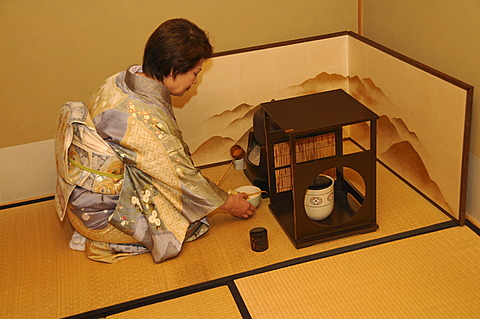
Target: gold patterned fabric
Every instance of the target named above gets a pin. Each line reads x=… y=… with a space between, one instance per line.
x=161 y=193
x=77 y=145
x=109 y=234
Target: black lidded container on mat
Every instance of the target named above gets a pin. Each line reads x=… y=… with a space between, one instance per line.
x=259 y=239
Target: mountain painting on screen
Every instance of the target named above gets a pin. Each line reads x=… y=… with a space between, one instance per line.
x=398 y=147
x=232 y=128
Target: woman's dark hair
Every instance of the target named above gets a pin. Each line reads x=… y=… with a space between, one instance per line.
x=176 y=46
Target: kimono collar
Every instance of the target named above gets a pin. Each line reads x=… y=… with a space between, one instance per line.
x=148 y=88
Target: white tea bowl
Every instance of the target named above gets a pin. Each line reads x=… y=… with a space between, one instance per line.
x=250 y=189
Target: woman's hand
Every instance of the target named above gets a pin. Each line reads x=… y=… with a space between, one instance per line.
x=237 y=205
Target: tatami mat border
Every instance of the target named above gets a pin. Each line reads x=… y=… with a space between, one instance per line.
x=229 y=280
x=473 y=227
x=27 y=202
x=242 y=307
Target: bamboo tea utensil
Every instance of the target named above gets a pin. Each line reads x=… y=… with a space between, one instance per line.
x=234 y=192
x=236 y=152
x=255 y=194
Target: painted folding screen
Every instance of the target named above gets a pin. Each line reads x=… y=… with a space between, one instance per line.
x=424 y=126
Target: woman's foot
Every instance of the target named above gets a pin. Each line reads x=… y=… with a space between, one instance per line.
x=77 y=242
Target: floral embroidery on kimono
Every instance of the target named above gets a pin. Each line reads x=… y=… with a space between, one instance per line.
x=161 y=193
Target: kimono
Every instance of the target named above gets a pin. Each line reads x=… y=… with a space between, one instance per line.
x=123 y=166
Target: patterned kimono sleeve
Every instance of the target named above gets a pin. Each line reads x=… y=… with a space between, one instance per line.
x=163 y=193
x=162 y=155
x=199 y=195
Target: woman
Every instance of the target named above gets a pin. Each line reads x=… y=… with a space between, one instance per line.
x=126 y=179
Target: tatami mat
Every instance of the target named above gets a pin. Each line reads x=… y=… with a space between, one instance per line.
x=215 y=303
x=42 y=278
x=434 y=275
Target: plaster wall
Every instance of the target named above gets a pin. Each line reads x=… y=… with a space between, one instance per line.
x=56 y=51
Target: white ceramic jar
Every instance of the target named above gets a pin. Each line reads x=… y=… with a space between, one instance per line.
x=319 y=202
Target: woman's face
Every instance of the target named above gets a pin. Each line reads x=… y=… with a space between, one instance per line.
x=179 y=85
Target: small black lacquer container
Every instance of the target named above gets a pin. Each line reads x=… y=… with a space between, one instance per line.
x=259 y=239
